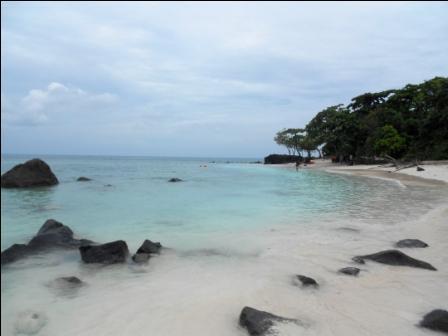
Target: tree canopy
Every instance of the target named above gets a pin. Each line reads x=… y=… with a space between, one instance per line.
x=410 y=123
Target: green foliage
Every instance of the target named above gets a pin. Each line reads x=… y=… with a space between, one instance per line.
x=290 y=138
x=388 y=141
x=411 y=122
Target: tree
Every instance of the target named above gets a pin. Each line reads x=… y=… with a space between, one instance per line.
x=388 y=141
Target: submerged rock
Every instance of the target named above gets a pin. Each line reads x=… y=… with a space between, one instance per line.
x=420 y=169
x=358 y=260
x=109 y=253
x=396 y=258
x=33 y=173
x=144 y=252
x=83 y=179
x=175 y=179
x=411 y=243
x=436 y=320
x=306 y=281
x=71 y=281
x=354 y=271
x=140 y=258
x=259 y=322
x=52 y=234
x=29 y=322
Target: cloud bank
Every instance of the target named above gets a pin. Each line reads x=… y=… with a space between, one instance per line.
x=200 y=79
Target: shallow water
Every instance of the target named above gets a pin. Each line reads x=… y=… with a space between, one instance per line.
x=236 y=234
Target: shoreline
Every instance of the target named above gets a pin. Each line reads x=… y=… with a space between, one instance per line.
x=435 y=174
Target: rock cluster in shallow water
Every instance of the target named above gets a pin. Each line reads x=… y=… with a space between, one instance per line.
x=51 y=235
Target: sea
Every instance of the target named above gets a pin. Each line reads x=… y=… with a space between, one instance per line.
x=234 y=233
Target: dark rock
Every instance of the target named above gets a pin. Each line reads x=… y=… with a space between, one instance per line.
x=397 y=258
x=33 y=173
x=279 y=159
x=175 y=179
x=411 y=243
x=436 y=320
x=420 y=169
x=144 y=252
x=307 y=282
x=149 y=247
x=83 y=179
x=350 y=271
x=259 y=322
x=141 y=258
x=52 y=234
x=109 y=253
x=14 y=253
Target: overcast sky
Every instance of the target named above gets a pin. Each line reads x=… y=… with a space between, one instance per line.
x=198 y=79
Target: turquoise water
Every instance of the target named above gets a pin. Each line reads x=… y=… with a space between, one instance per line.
x=129 y=198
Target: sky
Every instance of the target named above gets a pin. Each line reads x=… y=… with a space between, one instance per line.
x=199 y=79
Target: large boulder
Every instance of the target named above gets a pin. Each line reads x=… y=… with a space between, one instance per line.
x=411 y=243
x=395 y=258
x=33 y=173
x=259 y=322
x=279 y=159
x=436 y=320
x=52 y=234
x=109 y=253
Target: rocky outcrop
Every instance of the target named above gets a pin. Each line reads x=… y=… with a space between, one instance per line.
x=109 y=253
x=33 y=173
x=51 y=235
x=353 y=271
x=175 y=179
x=83 y=179
x=259 y=322
x=436 y=320
x=279 y=159
x=411 y=243
x=307 y=281
x=395 y=258
x=144 y=252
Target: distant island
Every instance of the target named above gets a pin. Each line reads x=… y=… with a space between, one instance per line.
x=409 y=124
